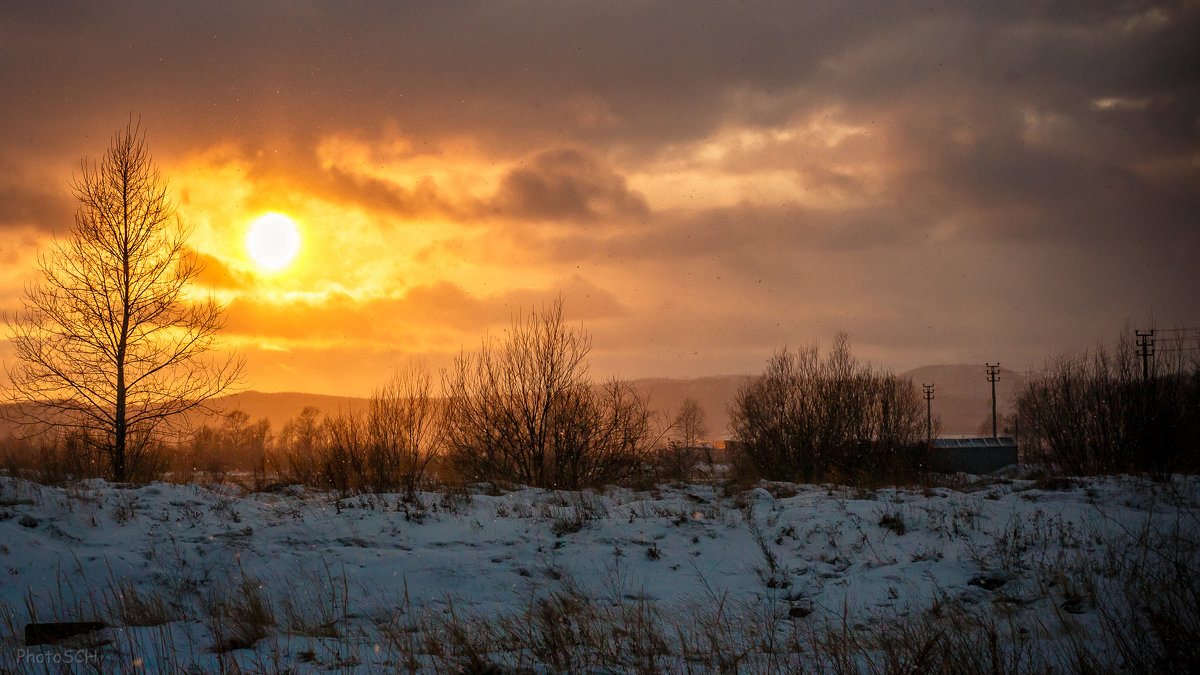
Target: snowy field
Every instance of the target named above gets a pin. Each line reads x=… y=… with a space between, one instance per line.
x=1020 y=574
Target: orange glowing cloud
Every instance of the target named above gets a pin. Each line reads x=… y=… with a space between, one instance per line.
x=910 y=174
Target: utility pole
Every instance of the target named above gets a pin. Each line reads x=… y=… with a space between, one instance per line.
x=993 y=371
x=928 y=389
x=1145 y=343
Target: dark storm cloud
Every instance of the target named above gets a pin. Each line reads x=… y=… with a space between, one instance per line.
x=284 y=72
x=771 y=232
x=277 y=69
x=1039 y=157
x=303 y=172
x=34 y=208
x=567 y=185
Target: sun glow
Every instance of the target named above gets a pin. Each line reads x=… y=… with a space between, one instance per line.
x=273 y=241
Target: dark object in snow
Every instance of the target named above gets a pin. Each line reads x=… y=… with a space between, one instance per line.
x=1074 y=605
x=52 y=633
x=480 y=668
x=800 y=610
x=990 y=582
x=893 y=522
x=28 y=521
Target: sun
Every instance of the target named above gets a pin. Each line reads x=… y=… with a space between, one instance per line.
x=273 y=241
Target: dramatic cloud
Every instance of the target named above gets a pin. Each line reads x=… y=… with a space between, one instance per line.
x=701 y=182
x=565 y=185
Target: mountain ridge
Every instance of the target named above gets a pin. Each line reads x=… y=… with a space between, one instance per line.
x=962 y=398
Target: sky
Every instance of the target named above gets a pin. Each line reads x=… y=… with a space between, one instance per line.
x=702 y=183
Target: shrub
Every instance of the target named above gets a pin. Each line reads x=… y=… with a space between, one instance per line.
x=389 y=445
x=403 y=430
x=57 y=457
x=806 y=418
x=1100 y=413
x=299 y=442
x=524 y=410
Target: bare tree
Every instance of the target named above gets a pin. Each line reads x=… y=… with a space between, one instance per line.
x=806 y=418
x=404 y=429
x=690 y=424
x=679 y=458
x=342 y=459
x=239 y=438
x=525 y=410
x=298 y=443
x=111 y=343
x=772 y=418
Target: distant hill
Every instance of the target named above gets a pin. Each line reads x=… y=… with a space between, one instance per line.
x=713 y=393
x=279 y=407
x=962 y=398
x=963 y=395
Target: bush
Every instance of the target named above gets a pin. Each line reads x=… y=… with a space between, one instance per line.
x=676 y=462
x=55 y=456
x=389 y=445
x=234 y=445
x=1100 y=413
x=403 y=430
x=299 y=443
x=806 y=419
x=52 y=458
x=524 y=410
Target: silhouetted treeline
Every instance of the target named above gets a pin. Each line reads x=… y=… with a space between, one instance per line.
x=1108 y=411
x=523 y=410
x=51 y=458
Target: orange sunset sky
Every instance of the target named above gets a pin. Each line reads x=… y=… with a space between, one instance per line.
x=702 y=182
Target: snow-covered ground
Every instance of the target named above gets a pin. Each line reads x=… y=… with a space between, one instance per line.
x=372 y=583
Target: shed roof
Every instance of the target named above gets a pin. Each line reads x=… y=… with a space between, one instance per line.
x=975 y=442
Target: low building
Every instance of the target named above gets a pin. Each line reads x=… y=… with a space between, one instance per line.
x=973 y=454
